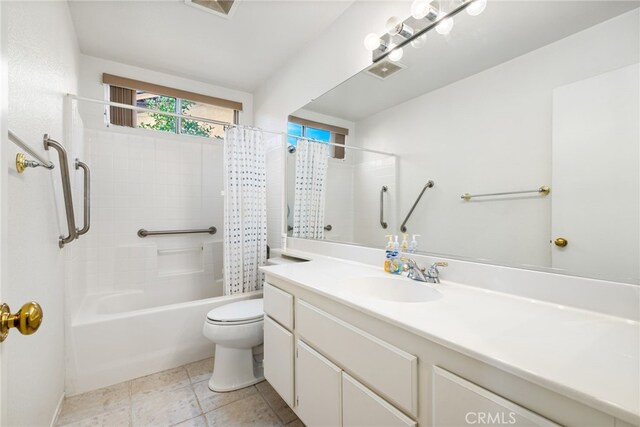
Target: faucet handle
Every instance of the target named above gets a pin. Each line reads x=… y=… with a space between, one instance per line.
x=440 y=264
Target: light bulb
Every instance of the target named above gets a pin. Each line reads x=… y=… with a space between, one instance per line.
x=393 y=25
x=444 y=27
x=423 y=9
x=419 y=8
x=418 y=42
x=396 y=54
x=371 y=41
x=477 y=7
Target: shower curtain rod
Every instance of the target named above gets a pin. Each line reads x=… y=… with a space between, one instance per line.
x=218 y=122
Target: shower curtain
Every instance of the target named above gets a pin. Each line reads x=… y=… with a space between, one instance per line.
x=311 y=178
x=245 y=210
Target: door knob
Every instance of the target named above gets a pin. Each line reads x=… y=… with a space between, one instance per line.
x=27 y=320
x=561 y=242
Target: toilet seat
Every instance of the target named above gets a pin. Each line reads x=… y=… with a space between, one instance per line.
x=237 y=313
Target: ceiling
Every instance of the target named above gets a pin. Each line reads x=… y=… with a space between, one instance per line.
x=505 y=30
x=239 y=52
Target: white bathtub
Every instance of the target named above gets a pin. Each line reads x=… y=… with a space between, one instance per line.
x=120 y=336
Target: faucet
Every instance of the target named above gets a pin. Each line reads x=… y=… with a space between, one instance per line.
x=414 y=272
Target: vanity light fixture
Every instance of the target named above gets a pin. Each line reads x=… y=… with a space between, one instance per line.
x=425 y=16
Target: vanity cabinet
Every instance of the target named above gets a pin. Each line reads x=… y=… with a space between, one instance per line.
x=336 y=366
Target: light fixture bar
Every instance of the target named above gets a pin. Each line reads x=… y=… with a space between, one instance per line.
x=419 y=27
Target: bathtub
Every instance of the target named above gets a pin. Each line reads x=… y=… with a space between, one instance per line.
x=119 y=336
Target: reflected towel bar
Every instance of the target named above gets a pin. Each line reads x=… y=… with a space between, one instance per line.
x=403 y=227
x=144 y=233
x=543 y=191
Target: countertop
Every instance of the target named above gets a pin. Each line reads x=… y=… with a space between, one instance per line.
x=590 y=357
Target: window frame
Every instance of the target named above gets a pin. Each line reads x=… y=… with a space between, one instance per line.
x=337 y=152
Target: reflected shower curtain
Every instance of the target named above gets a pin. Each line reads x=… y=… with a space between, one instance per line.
x=311 y=181
x=245 y=210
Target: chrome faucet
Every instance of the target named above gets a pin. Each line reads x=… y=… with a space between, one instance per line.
x=414 y=272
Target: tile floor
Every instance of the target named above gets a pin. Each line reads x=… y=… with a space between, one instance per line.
x=177 y=397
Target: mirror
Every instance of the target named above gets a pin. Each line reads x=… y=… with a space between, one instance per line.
x=527 y=97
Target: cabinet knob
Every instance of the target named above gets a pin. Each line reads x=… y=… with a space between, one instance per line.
x=561 y=242
x=27 y=320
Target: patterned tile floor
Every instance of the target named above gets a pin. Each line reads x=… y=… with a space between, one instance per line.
x=177 y=397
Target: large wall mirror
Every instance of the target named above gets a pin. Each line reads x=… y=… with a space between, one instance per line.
x=527 y=120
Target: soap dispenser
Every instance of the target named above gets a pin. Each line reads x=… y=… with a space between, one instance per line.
x=413 y=245
x=388 y=253
x=405 y=242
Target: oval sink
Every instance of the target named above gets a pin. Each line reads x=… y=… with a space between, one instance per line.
x=394 y=289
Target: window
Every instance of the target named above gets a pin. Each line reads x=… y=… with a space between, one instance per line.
x=318 y=131
x=163 y=99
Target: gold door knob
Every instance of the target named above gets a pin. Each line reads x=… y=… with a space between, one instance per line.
x=561 y=242
x=27 y=320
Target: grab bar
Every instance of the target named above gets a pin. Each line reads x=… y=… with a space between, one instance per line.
x=66 y=189
x=87 y=196
x=41 y=161
x=144 y=233
x=383 y=190
x=543 y=191
x=403 y=227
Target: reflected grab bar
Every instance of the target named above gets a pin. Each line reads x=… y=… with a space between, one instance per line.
x=144 y=233
x=66 y=189
x=403 y=227
x=383 y=223
x=87 y=197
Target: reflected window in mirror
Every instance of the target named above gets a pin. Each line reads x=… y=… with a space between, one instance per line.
x=299 y=127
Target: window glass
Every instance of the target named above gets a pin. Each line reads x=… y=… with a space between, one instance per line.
x=294 y=129
x=318 y=134
x=156 y=121
x=199 y=109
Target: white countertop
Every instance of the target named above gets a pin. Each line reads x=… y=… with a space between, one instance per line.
x=589 y=357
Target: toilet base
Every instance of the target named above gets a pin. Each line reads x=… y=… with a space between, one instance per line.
x=233 y=369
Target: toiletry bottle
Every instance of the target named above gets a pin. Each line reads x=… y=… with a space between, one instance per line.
x=388 y=253
x=396 y=245
x=405 y=242
x=413 y=245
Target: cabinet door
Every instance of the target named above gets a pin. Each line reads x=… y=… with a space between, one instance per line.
x=363 y=408
x=278 y=359
x=458 y=402
x=318 y=389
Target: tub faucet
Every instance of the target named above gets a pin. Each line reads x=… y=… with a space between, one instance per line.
x=432 y=275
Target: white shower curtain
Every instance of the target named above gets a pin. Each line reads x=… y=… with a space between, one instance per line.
x=245 y=210
x=311 y=178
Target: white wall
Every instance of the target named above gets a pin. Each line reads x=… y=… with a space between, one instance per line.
x=90 y=86
x=42 y=59
x=491 y=132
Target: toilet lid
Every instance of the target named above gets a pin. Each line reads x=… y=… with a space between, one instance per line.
x=237 y=311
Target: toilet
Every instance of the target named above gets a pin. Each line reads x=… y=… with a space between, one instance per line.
x=235 y=328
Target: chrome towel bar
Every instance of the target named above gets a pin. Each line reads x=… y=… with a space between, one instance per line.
x=30 y=163
x=403 y=227
x=543 y=191
x=144 y=233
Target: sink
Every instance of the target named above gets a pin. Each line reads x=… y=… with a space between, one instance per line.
x=393 y=289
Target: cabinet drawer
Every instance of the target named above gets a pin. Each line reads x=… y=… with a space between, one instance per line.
x=279 y=305
x=383 y=367
x=278 y=359
x=363 y=408
x=457 y=402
